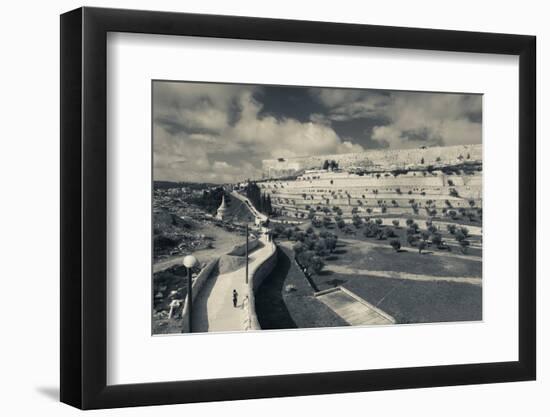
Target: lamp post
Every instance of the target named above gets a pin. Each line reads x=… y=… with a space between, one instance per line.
x=189 y=262
x=246 y=255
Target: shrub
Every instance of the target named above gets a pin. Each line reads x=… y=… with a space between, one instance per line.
x=459 y=236
x=348 y=230
x=411 y=239
x=437 y=240
x=298 y=248
x=409 y=221
x=411 y=231
x=378 y=221
x=421 y=246
x=371 y=230
x=395 y=244
x=395 y=223
x=451 y=228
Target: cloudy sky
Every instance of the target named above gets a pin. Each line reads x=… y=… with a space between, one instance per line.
x=221 y=132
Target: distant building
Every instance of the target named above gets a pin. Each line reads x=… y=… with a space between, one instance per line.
x=220 y=214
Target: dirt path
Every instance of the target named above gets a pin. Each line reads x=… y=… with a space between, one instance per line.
x=340 y=269
x=353 y=309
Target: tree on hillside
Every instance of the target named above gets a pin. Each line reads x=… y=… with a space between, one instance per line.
x=451 y=228
x=464 y=245
x=298 y=248
x=311 y=262
x=421 y=246
x=437 y=240
x=395 y=244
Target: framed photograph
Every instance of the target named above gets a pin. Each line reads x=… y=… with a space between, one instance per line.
x=256 y=208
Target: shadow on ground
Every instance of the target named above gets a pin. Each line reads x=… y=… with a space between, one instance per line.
x=49 y=392
x=270 y=305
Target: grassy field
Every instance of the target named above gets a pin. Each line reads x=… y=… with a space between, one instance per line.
x=434 y=286
x=401 y=234
x=358 y=255
x=285 y=300
x=418 y=302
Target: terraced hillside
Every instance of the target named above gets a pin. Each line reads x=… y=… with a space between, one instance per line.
x=427 y=182
x=420 y=192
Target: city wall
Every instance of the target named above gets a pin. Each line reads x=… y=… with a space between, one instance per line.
x=376 y=159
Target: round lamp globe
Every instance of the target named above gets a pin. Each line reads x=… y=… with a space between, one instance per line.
x=189 y=261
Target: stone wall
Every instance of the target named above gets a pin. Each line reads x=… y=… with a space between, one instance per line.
x=257 y=276
x=376 y=159
x=198 y=283
x=240 y=250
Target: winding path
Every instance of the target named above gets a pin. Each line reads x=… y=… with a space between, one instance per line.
x=213 y=309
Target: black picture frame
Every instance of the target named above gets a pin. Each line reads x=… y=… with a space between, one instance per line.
x=84 y=207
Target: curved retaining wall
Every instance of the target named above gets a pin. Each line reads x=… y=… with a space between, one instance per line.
x=257 y=276
x=198 y=283
x=240 y=250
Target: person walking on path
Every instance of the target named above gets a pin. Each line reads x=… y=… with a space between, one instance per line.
x=235 y=296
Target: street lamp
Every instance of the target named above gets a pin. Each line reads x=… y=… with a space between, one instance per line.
x=246 y=256
x=189 y=262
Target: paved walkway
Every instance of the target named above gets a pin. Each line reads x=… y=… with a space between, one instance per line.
x=245 y=200
x=213 y=310
x=353 y=309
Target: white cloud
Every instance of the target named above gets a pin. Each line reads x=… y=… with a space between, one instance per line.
x=433 y=119
x=194 y=123
x=411 y=119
